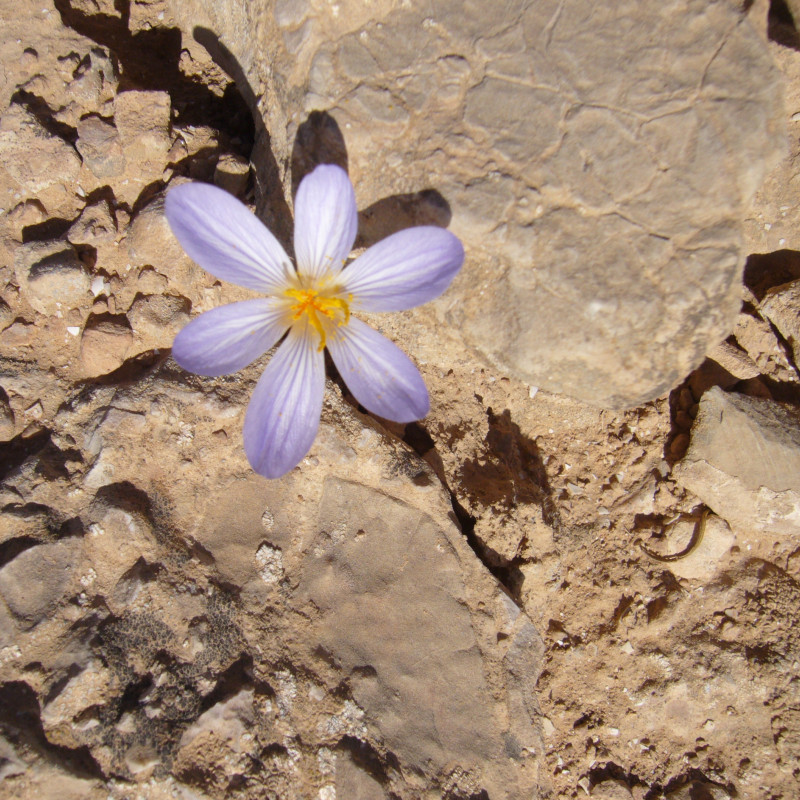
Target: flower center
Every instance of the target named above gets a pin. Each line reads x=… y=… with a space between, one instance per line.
x=324 y=309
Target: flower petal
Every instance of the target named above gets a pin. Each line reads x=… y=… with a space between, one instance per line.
x=283 y=415
x=378 y=373
x=404 y=270
x=325 y=221
x=228 y=338
x=224 y=238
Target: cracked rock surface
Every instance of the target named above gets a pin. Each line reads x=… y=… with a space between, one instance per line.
x=598 y=160
x=522 y=595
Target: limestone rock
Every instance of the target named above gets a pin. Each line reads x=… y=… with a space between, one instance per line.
x=232 y=173
x=229 y=720
x=143 y=122
x=105 y=343
x=151 y=242
x=10 y=762
x=758 y=338
x=709 y=556
x=611 y=790
x=91 y=686
x=156 y=319
x=52 y=276
x=353 y=781
x=744 y=462
x=91 y=87
x=90 y=8
x=781 y=306
x=794 y=8
x=6 y=419
x=256 y=615
x=37 y=579
x=380 y=565
x=589 y=181
x=96 y=225
x=735 y=361
x=100 y=147
x=21 y=134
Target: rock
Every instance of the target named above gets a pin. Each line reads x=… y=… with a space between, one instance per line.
x=438 y=660
x=229 y=720
x=7 y=427
x=46 y=779
x=143 y=122
x=91 y=88
x=611 y=790
x=6 y=315
x=100 y=147
x=151 y=241
x=156 y=319
x=91 y=8
x=781 y=306
x=21 y=134
x=148 y=14
x=232 y=173
x=105 y=343
x=758 y=338
x=270 y=563
x=700 y=790
x=708 y=557
x=96 y=225
x=10 y=762
x=52 y=277
x=735 y=361
x=34 y=582
x=353 y=781
x=744 y=462
x=361 y=579
x=578 y=285
x=90 y=687
x=117 y=540
x=794 y=9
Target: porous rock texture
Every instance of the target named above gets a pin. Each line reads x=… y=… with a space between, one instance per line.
x=597 y=159
x=514 y=597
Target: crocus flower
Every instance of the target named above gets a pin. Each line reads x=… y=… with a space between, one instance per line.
x=312 y=304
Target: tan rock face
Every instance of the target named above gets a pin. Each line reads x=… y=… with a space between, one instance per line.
x=36 y=580
x=386 y=622
x=55 y=162
x=613 y=172
x=100 y=147
x=744 y=462
x=781 y=306
x=51 y=276
x=105 y=342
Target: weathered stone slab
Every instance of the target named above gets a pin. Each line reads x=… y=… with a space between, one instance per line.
x=35 y=581
x=395 y=614
x=597 y=160
x=744 y=462
x=781 y=306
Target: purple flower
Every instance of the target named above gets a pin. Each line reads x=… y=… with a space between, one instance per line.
x=312 y=302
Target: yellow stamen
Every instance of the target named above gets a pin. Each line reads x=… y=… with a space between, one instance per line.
x=319 y=308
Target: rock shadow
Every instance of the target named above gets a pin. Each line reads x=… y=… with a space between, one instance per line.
x=763 y=271
x=781 y=24
x=319 y=140
x=511 y=472
x=21 y=726
x=149 y=60
x=271 y=204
